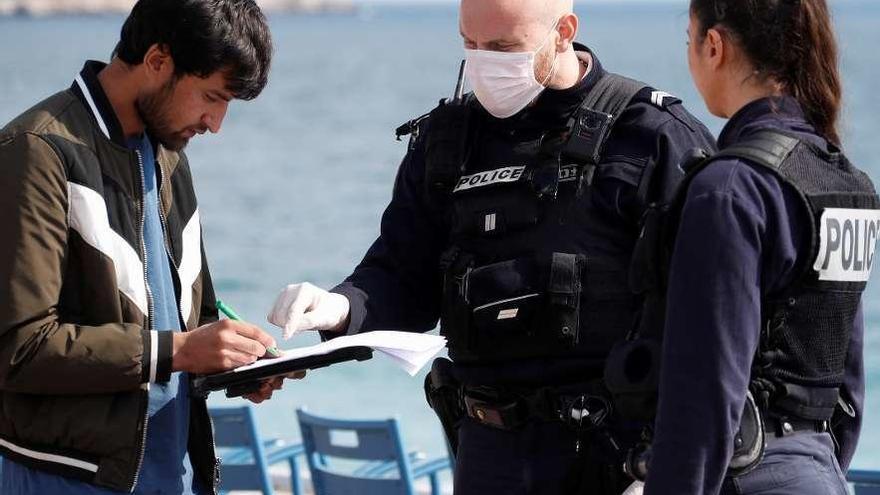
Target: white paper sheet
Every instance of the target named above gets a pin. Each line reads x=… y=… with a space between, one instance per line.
x=409 y=351
x=637 y=488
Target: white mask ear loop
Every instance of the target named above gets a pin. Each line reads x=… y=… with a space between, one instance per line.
x=553 y=67
x=555 y=57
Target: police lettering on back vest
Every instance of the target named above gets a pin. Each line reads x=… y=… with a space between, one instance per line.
x=848 y=238
x=805 y=334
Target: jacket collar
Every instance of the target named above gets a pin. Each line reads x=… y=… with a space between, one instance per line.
x=782 y=113
x=88 y=89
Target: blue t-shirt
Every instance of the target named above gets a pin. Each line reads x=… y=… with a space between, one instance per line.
x=168 y=425
x=166 y=467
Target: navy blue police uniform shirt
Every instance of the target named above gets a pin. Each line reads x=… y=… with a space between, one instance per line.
x=398 y=284
x=743 y=235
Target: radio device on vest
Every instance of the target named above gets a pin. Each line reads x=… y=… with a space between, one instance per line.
x=590 y=127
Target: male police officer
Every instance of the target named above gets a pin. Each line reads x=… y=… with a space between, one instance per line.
x=513 y=219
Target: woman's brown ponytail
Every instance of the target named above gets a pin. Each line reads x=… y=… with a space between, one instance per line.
x=790 y=41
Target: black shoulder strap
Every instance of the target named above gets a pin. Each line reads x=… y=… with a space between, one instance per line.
x=592 y=123
x=612 y=94
x=766 y=147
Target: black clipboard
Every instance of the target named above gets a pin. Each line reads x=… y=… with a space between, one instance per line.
x=238 y=383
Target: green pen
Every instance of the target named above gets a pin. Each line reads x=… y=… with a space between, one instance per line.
x=232 y=315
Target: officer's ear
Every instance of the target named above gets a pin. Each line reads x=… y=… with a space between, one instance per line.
x=568 y=28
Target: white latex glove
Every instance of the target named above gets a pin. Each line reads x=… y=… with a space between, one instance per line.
x=635 y=489
x=306 y=307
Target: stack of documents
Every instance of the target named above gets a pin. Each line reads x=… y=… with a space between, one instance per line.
x=410 y=351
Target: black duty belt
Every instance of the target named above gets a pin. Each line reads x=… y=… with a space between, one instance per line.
x=512 y=411
x=783 y=427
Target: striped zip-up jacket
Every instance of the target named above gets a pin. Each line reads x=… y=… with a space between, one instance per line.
x=76 y=354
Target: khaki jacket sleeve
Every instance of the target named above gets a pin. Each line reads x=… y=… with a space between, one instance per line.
x=39 y=352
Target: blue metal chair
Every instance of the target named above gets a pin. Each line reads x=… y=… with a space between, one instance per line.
x=864 y=482
x=363 y=458
x=245 y=459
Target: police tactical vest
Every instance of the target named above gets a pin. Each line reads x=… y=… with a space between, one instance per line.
x=533 y=269
x=806 y=330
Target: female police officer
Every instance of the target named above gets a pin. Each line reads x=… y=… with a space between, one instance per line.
x=774 y=246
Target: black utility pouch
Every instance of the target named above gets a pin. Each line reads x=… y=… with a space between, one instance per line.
x=632 y=375
x=526 y=307
x=815 y=403
x=444 y=395
x=564 y=296
x=505 y=299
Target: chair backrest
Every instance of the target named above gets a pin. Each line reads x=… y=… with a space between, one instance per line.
x=330 y=443
x=864 y=482
x=235 y=428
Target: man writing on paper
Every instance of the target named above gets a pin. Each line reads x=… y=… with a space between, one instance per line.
x=106 y=303
x=514 y=220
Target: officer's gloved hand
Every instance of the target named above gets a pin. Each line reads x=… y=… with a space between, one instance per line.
x=306 y=307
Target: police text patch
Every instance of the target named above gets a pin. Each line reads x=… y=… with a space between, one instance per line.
x=847 y=240
x=507 y=174
x=489 y=177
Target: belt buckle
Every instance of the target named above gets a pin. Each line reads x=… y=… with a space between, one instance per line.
x=500 y=416
x=585 y=411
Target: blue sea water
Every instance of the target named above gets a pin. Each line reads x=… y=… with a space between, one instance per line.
x=294 y=186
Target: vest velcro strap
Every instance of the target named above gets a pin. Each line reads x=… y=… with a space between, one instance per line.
x=810 y=403
x=563 y=287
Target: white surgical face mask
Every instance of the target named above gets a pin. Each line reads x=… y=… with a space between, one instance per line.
x=504 y=82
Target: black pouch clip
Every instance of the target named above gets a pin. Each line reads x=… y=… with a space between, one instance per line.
x=455 y=315
x=812 y=403
x=564 y=294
